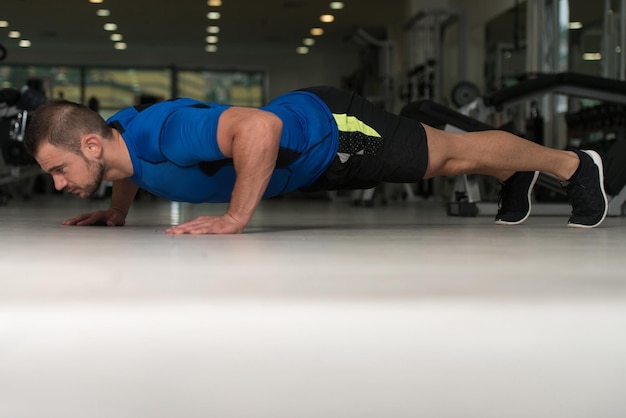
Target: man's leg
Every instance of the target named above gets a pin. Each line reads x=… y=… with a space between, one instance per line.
x=496 y=153
x=513 y=160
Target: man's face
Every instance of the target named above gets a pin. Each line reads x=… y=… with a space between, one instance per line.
x=71 y=172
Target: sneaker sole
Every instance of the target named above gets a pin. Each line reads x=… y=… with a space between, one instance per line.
x=530 y=190
x=598 y=162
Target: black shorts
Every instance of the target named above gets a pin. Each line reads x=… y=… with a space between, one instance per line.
x=374 y=145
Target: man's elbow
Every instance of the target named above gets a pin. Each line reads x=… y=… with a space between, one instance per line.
x=273 y=125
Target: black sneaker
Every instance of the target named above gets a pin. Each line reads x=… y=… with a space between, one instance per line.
x=585 y=191
x=514 y=203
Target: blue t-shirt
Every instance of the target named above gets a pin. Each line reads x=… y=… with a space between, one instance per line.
x=174 y=151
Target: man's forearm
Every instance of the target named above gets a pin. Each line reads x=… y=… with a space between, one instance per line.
x=248 y=191
x=122 y=195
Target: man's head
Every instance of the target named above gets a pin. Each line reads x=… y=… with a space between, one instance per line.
x=63 y=124
x=66 y=140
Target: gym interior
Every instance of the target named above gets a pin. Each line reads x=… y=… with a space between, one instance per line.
x=404 y=300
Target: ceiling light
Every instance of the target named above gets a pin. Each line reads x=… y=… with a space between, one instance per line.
x=14 y=34
x=327 y=18
x=110 y=26
x=592 y=56
x=24 y=43
x=213 y=15
x=302 y=50
x=214 y=3
x=210 y=48
x=336 y=5
x=96 y=1
x=103 y=12
x=120 y=45
x=211 y=39
x=213 y=29
x=4 y=24
x=317 y=31
x=116 y=37
x=575 y=25
x=308 y=41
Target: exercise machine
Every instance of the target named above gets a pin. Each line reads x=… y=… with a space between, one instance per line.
x=17 y=168
x=424 y=39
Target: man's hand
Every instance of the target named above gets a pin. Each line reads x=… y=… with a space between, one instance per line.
x=224 y=224
x=109 y=217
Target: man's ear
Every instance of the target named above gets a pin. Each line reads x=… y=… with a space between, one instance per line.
x=91 y=145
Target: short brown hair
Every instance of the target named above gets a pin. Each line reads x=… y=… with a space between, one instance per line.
x=62 y=123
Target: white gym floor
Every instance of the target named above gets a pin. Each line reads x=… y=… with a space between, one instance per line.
x=320 y=310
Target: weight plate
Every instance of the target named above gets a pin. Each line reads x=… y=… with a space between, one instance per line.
x=464 y=93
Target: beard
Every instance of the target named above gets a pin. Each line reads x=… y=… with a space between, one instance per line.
x=96 y=174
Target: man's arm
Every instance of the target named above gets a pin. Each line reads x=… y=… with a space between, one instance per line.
x=251 y=137
x=122 y=197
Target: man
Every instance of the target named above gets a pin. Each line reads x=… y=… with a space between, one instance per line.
x=313 y=139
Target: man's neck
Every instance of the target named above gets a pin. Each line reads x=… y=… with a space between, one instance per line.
x=118 y=162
